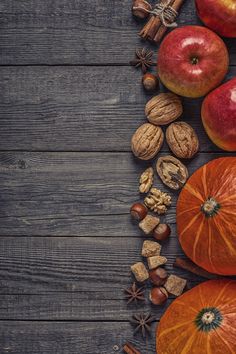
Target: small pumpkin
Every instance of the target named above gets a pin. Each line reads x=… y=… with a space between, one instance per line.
x=201 y=321
x=206 y=216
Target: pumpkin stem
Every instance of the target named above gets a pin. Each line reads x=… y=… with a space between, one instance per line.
x=208 y=319
x=210 y=207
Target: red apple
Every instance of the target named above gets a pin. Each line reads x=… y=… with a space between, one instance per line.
x=219 y=115
x=219 y=15
x=192 y=61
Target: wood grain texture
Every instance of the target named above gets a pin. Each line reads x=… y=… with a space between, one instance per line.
x=66 y=239
x=60 y=193
x=73 y=32
x=69 y=338
x=78 y=109
x=94 y=267
x=71 y=307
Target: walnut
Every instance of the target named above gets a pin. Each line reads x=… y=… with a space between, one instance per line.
x=157 y=201
x=163 y=108
x=172 y=172
x=182 y=140
x=146 y=180
x=148 y=224
x=147 y=141
x=175 y=285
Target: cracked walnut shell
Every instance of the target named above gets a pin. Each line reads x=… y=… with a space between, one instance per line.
x=182 y=140
x=147 y=141
x=158 y=201
x=146 y=180
x=163 y=108
x=172 y=172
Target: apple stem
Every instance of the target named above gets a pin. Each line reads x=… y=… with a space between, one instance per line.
x=194 y=60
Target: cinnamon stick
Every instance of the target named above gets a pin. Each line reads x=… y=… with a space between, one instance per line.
x=187 y=264
x=129 y=349
x=162 y=29
x=150 y=29
x=154 y=30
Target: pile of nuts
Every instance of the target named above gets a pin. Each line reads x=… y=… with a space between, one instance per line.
x=146 y=142
x=151 y=251
x=158 y=202
x=180 y=136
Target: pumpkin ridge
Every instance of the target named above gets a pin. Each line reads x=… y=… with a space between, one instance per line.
x=209 y=247
x=229 y=212
x=222 y=217
x=188 y=210
x=197 y=237
x=192 y=191
x=204 y=182
x=189 y=224
x=223 y=290
x=222 y=329
x=233 y=251
x=188 y=344
x=225 y=343
x=170 y=329
x=228 y=198
x=190 y=307
x=208 y=346
x=228 y=303
x=180 y=336
x=171 y=344
x=200 y=297
x=229 y=313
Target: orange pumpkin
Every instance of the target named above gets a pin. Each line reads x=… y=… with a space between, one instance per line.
x=206 y=216
x=201 y=321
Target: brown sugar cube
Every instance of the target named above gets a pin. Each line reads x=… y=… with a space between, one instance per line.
x=151 y=248
x=149 y=223
x=140 y=272
x=156 y=261
x=175 y=285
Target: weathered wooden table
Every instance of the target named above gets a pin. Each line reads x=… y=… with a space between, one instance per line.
x=69 y=103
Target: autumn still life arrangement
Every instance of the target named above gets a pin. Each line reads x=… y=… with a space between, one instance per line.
x=192 y=62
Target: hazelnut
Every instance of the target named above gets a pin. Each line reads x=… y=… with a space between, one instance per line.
x=158 y=296
x=138 y=211
x=162 y=232
x=141 y=8
x=158 y=276
x=150 y=82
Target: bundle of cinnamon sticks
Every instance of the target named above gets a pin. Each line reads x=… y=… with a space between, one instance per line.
x=154 y=29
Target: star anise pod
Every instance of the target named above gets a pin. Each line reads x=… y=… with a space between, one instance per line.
x=143 y=323
x=134 y=294
x=143 y=59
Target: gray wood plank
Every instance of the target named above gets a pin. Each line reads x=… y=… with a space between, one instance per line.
x=71 y=32
x=70 y=338
x=72 y=307
x=91 y=266
x=58 y=194
x=77 y=109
